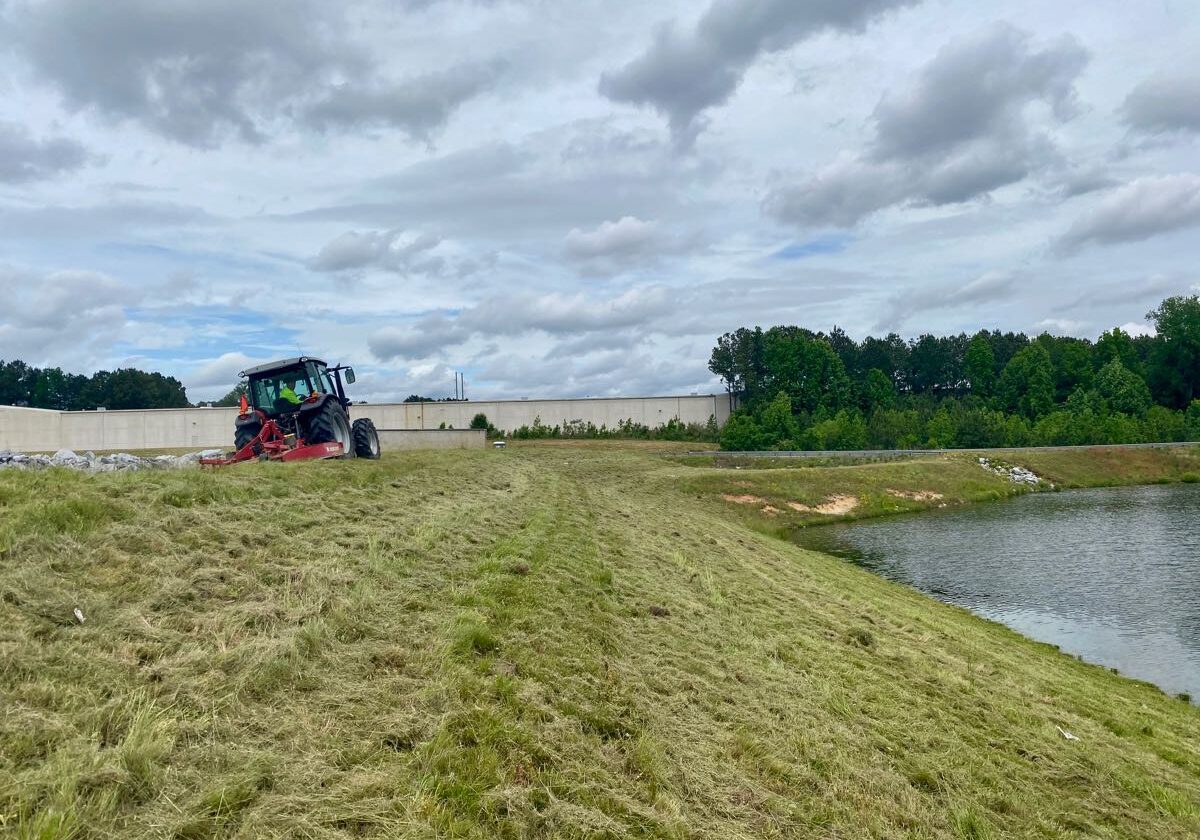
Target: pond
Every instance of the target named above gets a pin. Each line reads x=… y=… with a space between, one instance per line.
x=1112 y=575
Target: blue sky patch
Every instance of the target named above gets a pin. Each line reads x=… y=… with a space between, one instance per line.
x=833 y=243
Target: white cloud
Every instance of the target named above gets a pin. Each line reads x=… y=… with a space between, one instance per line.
x=1141 y=209
x=444 y=183
x=1165 y=103
x=962 y=129
x=221 y=371
x=628 y=236
x=515 y=315
x=686 y=71
x=1061 y=326
x=390 y=250
x=1137 y=328
x=987 y=288
x=62 y=317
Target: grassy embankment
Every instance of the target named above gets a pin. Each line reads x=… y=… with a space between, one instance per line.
x=783 y=493
x=547 y=641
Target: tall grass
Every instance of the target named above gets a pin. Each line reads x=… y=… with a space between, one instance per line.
x=549 y=641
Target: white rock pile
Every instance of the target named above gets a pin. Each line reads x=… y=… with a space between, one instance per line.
x=91 y=462
x=1017 y=475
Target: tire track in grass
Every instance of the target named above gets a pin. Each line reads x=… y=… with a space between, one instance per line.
x=539 y=732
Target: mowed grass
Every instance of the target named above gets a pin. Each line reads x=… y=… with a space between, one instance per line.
x=547 y=641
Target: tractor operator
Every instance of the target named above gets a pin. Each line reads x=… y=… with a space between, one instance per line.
x=287 y=391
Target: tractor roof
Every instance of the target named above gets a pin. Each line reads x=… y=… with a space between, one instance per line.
x=282 y=364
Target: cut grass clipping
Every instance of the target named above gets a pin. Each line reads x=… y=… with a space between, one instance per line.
x=550 y=641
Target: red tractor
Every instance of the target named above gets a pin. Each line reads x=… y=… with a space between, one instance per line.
x=296 y=409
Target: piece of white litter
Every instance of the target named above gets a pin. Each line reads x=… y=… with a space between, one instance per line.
x=1066 y=734
x=79 y=615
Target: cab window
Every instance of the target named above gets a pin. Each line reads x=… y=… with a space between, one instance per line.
x=320 y=377
x=302 y=388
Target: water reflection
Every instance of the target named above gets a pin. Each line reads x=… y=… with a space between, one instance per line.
x=1112 y=574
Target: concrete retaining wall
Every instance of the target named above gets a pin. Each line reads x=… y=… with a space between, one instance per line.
x=39 y=430
x=512 y=414
x=391 y=440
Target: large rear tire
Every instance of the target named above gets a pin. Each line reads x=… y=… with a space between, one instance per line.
x=366 y=439
x=329 y=424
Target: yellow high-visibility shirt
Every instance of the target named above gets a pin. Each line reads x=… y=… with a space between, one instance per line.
x=286 y=393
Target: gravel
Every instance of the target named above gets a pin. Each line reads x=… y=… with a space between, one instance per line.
x=91 y=462
x=1017 y=475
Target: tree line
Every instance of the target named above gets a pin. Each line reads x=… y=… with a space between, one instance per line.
x=799 y=389
x=24 y=385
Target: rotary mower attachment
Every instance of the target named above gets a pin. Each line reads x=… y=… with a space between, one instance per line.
x=273 y=444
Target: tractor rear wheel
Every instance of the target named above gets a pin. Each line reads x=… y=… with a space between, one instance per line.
x=243 y=434
x=329 y=424
x=366 y=439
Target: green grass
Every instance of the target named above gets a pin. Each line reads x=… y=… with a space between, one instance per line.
x=777 y=497
x=1105 y=467
x=766 y=495
x=547 y=641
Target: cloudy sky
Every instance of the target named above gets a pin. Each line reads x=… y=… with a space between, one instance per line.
x=575 y=197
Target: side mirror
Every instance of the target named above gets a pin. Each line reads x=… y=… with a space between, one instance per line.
x=350 y=376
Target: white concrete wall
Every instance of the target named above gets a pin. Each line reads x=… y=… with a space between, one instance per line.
x=511 y=414
x=397 y=439
x=29 y=429
x=33 y=430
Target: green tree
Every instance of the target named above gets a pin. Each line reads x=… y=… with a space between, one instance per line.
x=846 y=349
x=980 y=365
x=1115 y=345
x=131 y=388
x=1017 y=431
x=976 y=427
x=846 y=430
x=1026 y=384
x=480 y=421
x=895 y=429
x=14 y=383
x=1192 y=421
x=1175 y=358
x=1071 y=360
x=1122 y=389
x=888 y=354
x=1162 y=424
x=738 y=360
x=51 y=388
x=877 y=391
x=940 y=430
x=805 y=368
x=776 y=423
x=934 y=364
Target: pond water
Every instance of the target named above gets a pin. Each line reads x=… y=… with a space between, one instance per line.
x=1112 y=575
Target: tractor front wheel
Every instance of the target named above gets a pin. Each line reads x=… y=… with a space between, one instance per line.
x=366 y=439
x=245 y=433
x=329 y=424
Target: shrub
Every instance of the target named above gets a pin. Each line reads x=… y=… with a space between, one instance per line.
x=742 y=434
x=1192 y=421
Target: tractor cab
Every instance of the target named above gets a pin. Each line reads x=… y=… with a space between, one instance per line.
x=279 y=389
